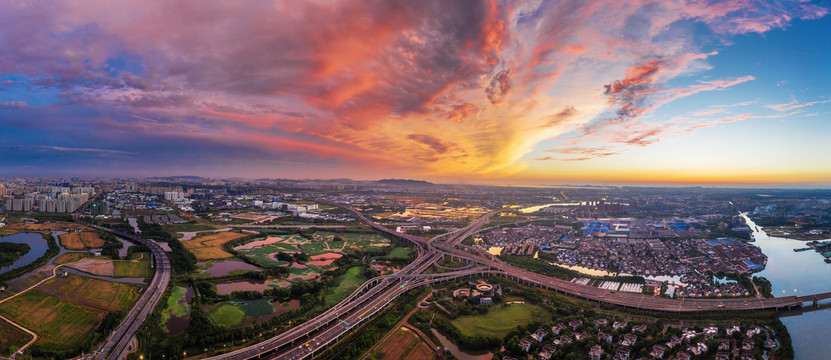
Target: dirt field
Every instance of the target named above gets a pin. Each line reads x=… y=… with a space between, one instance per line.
x=93 y=293
x=81 y=240
x=60 y=324
x=324 y=259
x=403 y=344
x=95 y=266
x=70 y=258
x=49 y=227
x=209 y=247
x=11 y=336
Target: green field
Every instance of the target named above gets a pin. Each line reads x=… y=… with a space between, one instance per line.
x=133 y=269
x=255 y=308
x=100 y=294
x=234 y=312
x=500 y=320
x=61 y=325
x=398 y=253
x=346 y=284
x=11 y=338
x=227 y=314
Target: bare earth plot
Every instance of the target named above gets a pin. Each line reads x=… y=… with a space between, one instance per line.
x=81 y=240
x=403 y=344
x=209 y=247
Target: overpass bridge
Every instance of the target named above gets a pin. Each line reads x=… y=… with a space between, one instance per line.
x=372 y=296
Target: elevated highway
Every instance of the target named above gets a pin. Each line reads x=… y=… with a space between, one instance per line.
x=371 y=297
x=116 y=345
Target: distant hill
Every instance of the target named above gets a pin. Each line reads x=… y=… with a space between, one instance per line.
x=403 y=182
x=188 y=177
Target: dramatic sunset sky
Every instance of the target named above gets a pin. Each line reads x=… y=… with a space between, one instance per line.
x=514 y=92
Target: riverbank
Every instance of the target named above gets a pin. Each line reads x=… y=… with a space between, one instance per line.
x=793 y=233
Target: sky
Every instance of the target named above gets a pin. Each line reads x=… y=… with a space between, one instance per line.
x=724 y=93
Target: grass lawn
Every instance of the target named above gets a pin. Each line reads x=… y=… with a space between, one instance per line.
x=399 y=253
x=500 y=320
x=61 y=325
x=227 y=314
x=346 y=284
x=133 y=268
x=254 y=308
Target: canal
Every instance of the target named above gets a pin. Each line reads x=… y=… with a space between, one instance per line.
x=798 y=273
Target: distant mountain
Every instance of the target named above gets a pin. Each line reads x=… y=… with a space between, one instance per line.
x=403 y=182
x=188 y=177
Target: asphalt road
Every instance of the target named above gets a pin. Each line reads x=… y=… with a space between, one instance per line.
x=309 y=337
x=115 y=346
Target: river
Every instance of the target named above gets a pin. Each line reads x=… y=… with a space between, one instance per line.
x=798 y=273
x=38 y=247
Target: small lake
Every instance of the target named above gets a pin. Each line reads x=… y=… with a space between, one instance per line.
x=226 y=267
x=34 y=240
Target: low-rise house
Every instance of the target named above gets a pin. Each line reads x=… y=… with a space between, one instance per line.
x=748 y=356
x=688 y=335
x=557 y=328
x=639 y=328
x=722 y=356
x=673 y=341
x=733 y=329
x=753 y=331
x=622 y=353
x=658 y=351
x=683 y=356
x=629 y=339
x=605 y=337
x=748 y=344
x=601 y=322
x=710 y=332
x=547 y=352
x=539 y=335
x=582 y=335
x=698 y=349
x=724 y=344
x=619 y=325
x=596 y=352
x=525 y=344
x=575 y=324
x=769 y=343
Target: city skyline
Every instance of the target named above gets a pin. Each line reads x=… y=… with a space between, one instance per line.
x=518 y=93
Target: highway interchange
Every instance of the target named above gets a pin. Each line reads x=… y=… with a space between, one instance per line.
x=306 y=339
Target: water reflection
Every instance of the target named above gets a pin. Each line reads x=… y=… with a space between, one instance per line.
x=798 y=273
x=38 y=247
